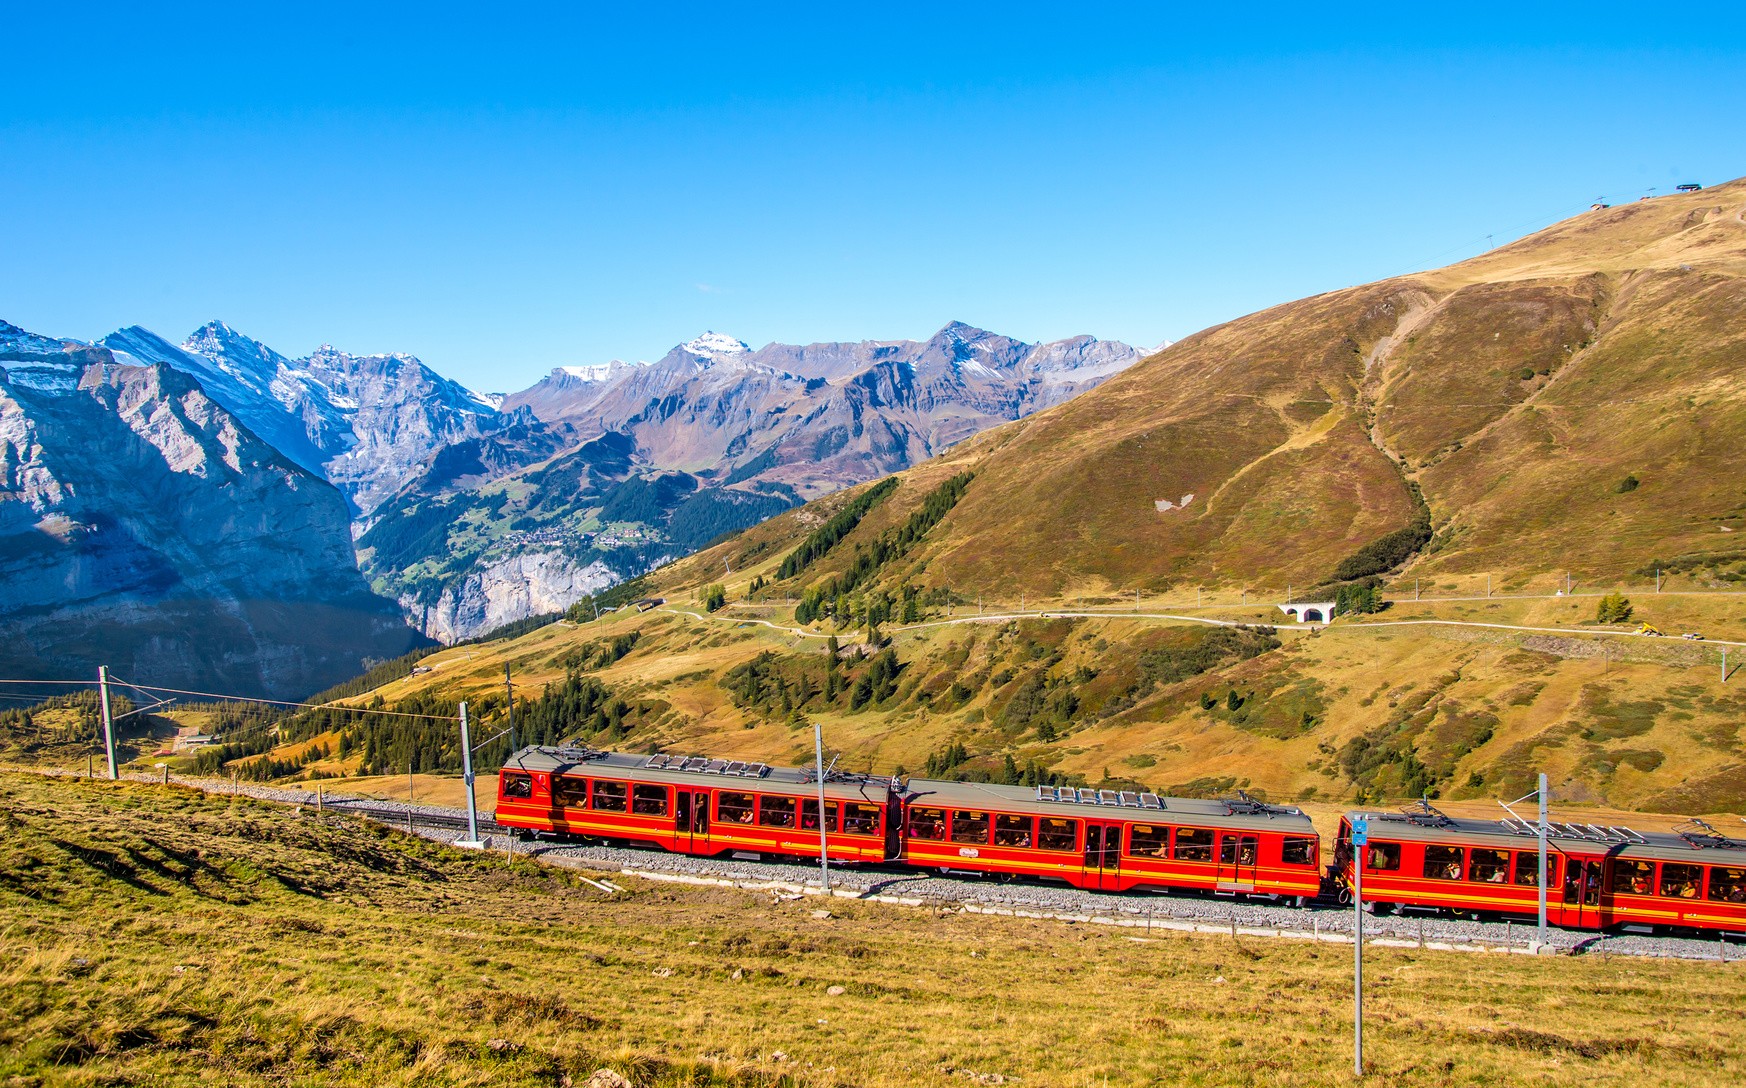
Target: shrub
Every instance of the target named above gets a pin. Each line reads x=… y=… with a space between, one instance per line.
x=1626 y=485
x=1615 y=607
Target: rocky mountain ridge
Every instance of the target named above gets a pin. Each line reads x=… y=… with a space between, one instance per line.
x=144 y=527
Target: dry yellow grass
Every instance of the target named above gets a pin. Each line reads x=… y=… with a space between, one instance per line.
x=159 y=936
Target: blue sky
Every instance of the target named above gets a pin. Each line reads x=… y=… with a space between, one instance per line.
x=504 y=193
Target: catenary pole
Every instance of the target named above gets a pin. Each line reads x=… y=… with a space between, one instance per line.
x=108 y=720
x=1360 y=844
x=1541 y=936
x=824 y=862
x=467 y=778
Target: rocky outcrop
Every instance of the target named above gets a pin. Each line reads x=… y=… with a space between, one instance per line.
x=510 y=589
x=144 y=527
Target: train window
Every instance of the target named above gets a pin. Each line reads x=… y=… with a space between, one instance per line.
x=1489 y=866
x=1728 y=885
x=927 y=823
x=1012 y=830
x=1681 y=881
x=733 y=808
x=1237 y=849
x=776 y=811
x=861 y=819
x=517 y=787
x=1148 y=841
x=649 y=800
x=1635 y=877
x=970 y=827
x=608 y=795
x=1298 y=851
x=1193 y=844
x=1383 y=857
x=1058 y=834
x=809 y=815
x=570 y=792
x=1443 y=863
x=1528 y=869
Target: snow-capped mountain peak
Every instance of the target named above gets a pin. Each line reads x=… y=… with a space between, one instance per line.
x=715 y=345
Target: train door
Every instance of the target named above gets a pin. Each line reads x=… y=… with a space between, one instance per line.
x=1582 y=891
x=1237 y=857
x=1103 y=855
x=691 y=820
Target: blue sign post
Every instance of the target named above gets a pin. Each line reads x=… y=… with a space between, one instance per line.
x=1360 y=838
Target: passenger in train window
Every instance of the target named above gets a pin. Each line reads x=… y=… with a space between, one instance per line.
x=734 y=808
x=1528 y=869
x=517 y=787
x=1681 y=881
x=809 y=815
x=776 y=811
x=1058 y=834
x=970 y=828
x=1149 y=841
x=1012 y=830
x=1193 y=844
x=861 y=819
x=1727 y=885
x=649 y=800
x=927 y=823
x=1489 y=866
x=1635 y=877
x=609 y=796
x=569 y=792
x=1443 y=862
x=1298 y=851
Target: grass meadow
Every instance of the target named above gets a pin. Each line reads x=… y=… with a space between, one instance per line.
x=158 y=936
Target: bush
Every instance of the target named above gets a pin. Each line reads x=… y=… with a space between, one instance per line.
x=1358 y=599
x=1627 y=485
x=1614 y=608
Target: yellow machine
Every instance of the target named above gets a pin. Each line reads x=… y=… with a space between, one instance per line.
x=1647 y=629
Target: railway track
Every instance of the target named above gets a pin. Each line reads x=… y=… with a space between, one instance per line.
x=410 y=819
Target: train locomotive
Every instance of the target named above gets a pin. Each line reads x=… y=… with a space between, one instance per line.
x=1120 y=840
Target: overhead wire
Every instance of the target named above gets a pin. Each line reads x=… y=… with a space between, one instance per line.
x=284 y=702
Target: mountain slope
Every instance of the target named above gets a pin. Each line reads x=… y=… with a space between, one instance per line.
x=143 y=527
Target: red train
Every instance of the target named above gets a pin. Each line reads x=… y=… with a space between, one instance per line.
x=1597 y=877
x=1099 y=839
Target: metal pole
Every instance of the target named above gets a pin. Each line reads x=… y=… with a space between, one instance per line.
x=509 y=689
x=824 y=864
x=108 y=721
x=1724 y=664
x=1488 y=585
x=1358 y=957
x=1541 y=934
x=467 y=778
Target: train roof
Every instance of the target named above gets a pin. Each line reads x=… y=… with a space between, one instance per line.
x=698 y=771
x=1241 y=812
x=1693 y=842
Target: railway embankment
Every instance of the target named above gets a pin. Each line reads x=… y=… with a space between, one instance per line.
x=1138 y=914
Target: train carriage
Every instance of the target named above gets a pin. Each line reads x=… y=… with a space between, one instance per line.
x=1111 y=840
x=695 y=805
x=1597 y=877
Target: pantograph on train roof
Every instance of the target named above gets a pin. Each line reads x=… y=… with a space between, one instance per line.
x=1706 y=836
